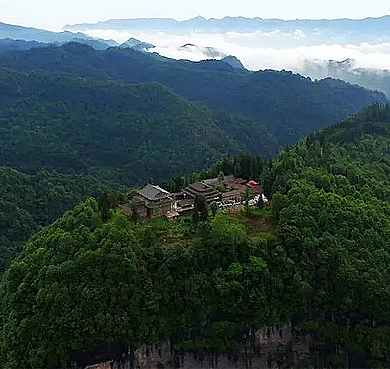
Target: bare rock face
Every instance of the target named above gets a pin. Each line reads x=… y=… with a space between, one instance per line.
x=269 y=347
x=273 y=347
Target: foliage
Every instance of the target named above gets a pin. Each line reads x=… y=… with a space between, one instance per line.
x=330 y=195
x=200 y=209
x=82 y=283
x=126 y=134
x=28 y=202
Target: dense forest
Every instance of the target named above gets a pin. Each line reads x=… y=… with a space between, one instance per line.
x=317 y=256
x=28 y=202
x=290 y=105
x=126 y=134
x=331 y=198
x=9 y=44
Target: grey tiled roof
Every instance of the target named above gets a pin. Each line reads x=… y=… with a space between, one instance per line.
x=153 y=193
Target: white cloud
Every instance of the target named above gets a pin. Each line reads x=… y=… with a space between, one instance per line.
x=298 y=34
x=259 y=50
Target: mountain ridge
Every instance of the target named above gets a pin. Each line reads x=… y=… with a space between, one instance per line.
x=289 y=104
x=16 y=32
x=123 y=133
x=243 y=23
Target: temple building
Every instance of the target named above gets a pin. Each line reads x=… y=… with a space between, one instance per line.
x=153 y=201
x=203 y=189
x=254 y=187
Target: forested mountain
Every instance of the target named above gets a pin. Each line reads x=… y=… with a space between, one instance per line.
x=318 y=256
x=127 y=134
x=8 y=44
x=289 y=104
x=86 y=283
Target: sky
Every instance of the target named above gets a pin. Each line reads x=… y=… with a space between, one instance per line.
x=54 y=14
x=256 y=50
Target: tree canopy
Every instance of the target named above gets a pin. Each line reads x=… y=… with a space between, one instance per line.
x=125 y=134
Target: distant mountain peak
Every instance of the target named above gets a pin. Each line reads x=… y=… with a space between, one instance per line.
x=188 y=44
x=135 y=44
x=208 y=51
x=197 y=18
x=233 y=61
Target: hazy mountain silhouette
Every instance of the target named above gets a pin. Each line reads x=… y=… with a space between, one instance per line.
x=371 y=78
x=332 y=30
x=35 y=34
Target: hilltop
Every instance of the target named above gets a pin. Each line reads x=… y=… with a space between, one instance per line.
x=317 y=258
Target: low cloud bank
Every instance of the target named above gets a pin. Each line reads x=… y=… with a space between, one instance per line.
x=258 y=50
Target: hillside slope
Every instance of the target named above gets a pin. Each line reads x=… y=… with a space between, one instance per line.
x=289 y=104
x=123 y=133
x=331 y=198
x=29 y=202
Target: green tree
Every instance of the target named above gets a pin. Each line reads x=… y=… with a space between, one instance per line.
x=221 y=177
x=134 y=214
x=260 y=202
x=200 y=209
x=213 y=208
x=104 y=205
x=246 y=198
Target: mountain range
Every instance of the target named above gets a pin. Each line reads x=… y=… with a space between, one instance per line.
x=75 y=119
x=371 y=78
x=239 y=23
x=337 y=30
x=9 y=31
x=288 y=104
x=274 y=33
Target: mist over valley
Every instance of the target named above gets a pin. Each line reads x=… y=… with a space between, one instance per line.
x=302 y=46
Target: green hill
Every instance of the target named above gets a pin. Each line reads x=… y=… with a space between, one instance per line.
x=318 y=257
x=290 y=105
